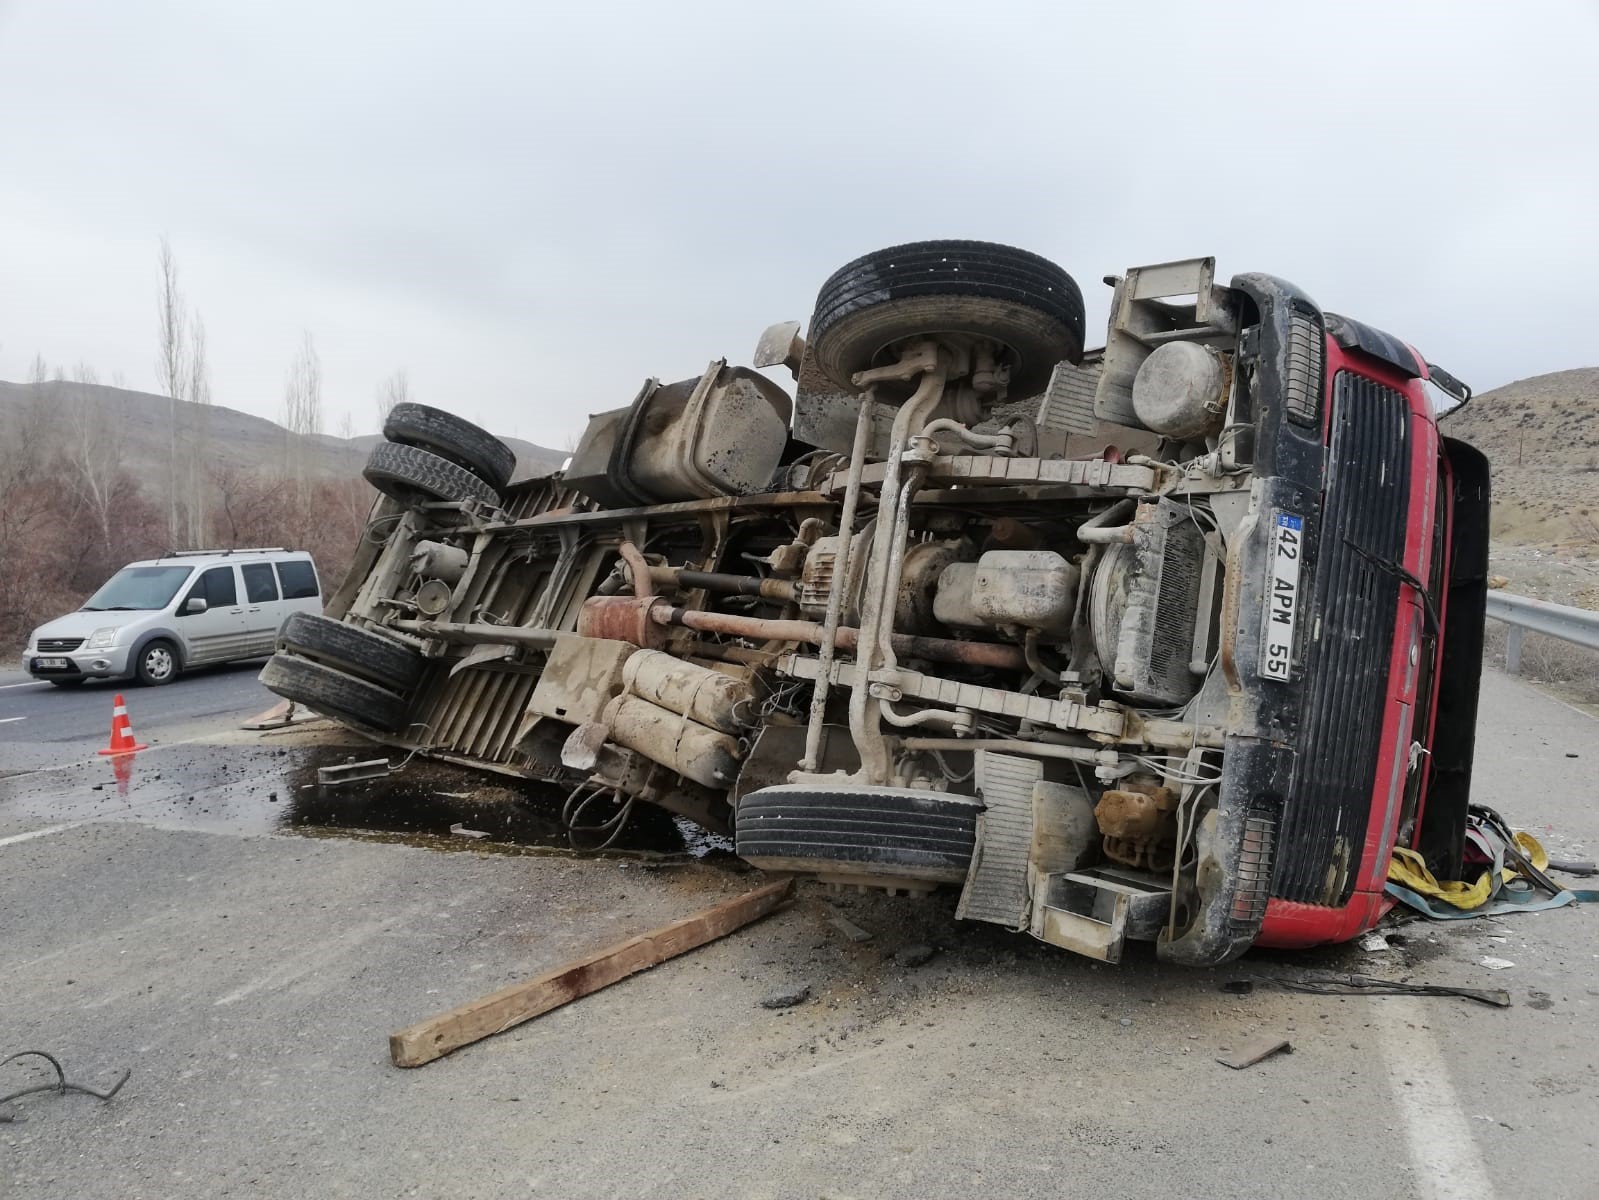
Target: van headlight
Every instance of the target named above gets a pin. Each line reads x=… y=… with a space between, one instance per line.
x=101 y=639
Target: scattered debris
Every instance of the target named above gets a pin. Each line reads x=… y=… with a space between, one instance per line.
x=1255 y=1050
x=495 y=1013
x=850 y=930
x=370 y=768
x=279 y=716
x=60 y=1087
x=1365 y=985
x=915 y=955
x=1238 y=987
x=1570 y=867
x=787 y=997
x=1374 y=942
x=1496 y=964
x=460 y=830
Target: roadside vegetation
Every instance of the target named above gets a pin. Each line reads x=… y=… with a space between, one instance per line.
x=74 y=506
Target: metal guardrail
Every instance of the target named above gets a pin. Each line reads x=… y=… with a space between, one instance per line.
x=1522 y=613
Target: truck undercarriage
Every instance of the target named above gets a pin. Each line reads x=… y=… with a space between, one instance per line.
x=1172 y=641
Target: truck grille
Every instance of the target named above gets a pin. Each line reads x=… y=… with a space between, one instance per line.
x=58 y=645
x=476 y=713
x=1351 y=633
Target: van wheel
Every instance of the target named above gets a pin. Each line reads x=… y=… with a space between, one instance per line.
x=870 y=833
x=973 y=289
x=333 y=693
x=414 y=476
x=448 y=436
x=157 y=665
x=364 y=653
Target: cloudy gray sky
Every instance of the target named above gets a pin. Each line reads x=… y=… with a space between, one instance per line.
x=531 y=207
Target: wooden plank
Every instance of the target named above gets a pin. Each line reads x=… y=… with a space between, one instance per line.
x=495 y=1013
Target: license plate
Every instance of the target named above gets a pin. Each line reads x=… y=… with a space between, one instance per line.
x=53 y=664
x=1282 y=598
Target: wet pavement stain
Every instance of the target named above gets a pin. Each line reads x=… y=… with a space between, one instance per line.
x=261 y=789
x=424 y=799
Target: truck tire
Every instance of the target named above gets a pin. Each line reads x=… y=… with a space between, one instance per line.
x=448 y=436
x=364 y=653
x=979 y=289
x=415 y=476
x=333 y=693
x=896 y=833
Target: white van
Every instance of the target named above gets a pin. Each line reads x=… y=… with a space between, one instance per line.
x=154 y=619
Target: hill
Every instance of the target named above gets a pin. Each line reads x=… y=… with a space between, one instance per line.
x=233 y=438
x=1541 y=436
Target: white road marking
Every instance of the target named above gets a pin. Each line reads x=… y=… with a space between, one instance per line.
x=37 y=833
x=1446 y=1161
x=8 y=720
x=29 y=683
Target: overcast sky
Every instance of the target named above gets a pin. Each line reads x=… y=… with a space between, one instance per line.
x=533 y=207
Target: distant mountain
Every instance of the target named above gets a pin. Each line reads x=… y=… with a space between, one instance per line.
x=1541 y=436
x=232 y=438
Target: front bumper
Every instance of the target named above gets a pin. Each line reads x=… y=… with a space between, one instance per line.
x=81 y=664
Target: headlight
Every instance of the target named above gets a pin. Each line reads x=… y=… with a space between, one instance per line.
x=101 y=639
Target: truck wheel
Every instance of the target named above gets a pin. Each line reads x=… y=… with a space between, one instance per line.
x=448 y=436
x=415 y=476
x=858 y=831
x=364 y=653
x=157 y=664
x=333 y=693
x=978 y=289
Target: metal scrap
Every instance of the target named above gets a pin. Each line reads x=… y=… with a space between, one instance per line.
x=341 y=773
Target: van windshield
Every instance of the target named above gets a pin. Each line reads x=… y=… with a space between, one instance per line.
x=137 y=589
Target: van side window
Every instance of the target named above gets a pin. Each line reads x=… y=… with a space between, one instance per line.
x=259 y=583
x=299 y=580
x=215 y=587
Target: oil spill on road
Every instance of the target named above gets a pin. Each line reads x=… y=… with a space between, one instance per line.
x=258 y=789
x=424 y=799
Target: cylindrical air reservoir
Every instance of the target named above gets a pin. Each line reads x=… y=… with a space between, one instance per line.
x=708 y=696
x=694 y=751
x=1178 y=390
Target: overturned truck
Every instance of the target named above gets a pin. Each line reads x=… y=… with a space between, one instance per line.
x=1171 y=640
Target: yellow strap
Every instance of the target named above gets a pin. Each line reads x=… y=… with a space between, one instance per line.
x=1409 y=869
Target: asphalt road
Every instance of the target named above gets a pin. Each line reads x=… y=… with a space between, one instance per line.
x=42 y=725
x=250 y=982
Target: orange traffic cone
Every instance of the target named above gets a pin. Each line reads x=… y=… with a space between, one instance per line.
x=122 y=731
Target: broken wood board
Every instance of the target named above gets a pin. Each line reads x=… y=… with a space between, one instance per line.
x=510 y=1006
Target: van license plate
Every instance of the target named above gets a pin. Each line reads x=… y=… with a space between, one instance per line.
x=1282 y=600
x=53 y=664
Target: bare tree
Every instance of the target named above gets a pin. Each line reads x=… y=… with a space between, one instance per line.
x=198 y=373
x=302 y=408
x=38 y=370
x=171 y=370
x=93 y=451
x=396 y=389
